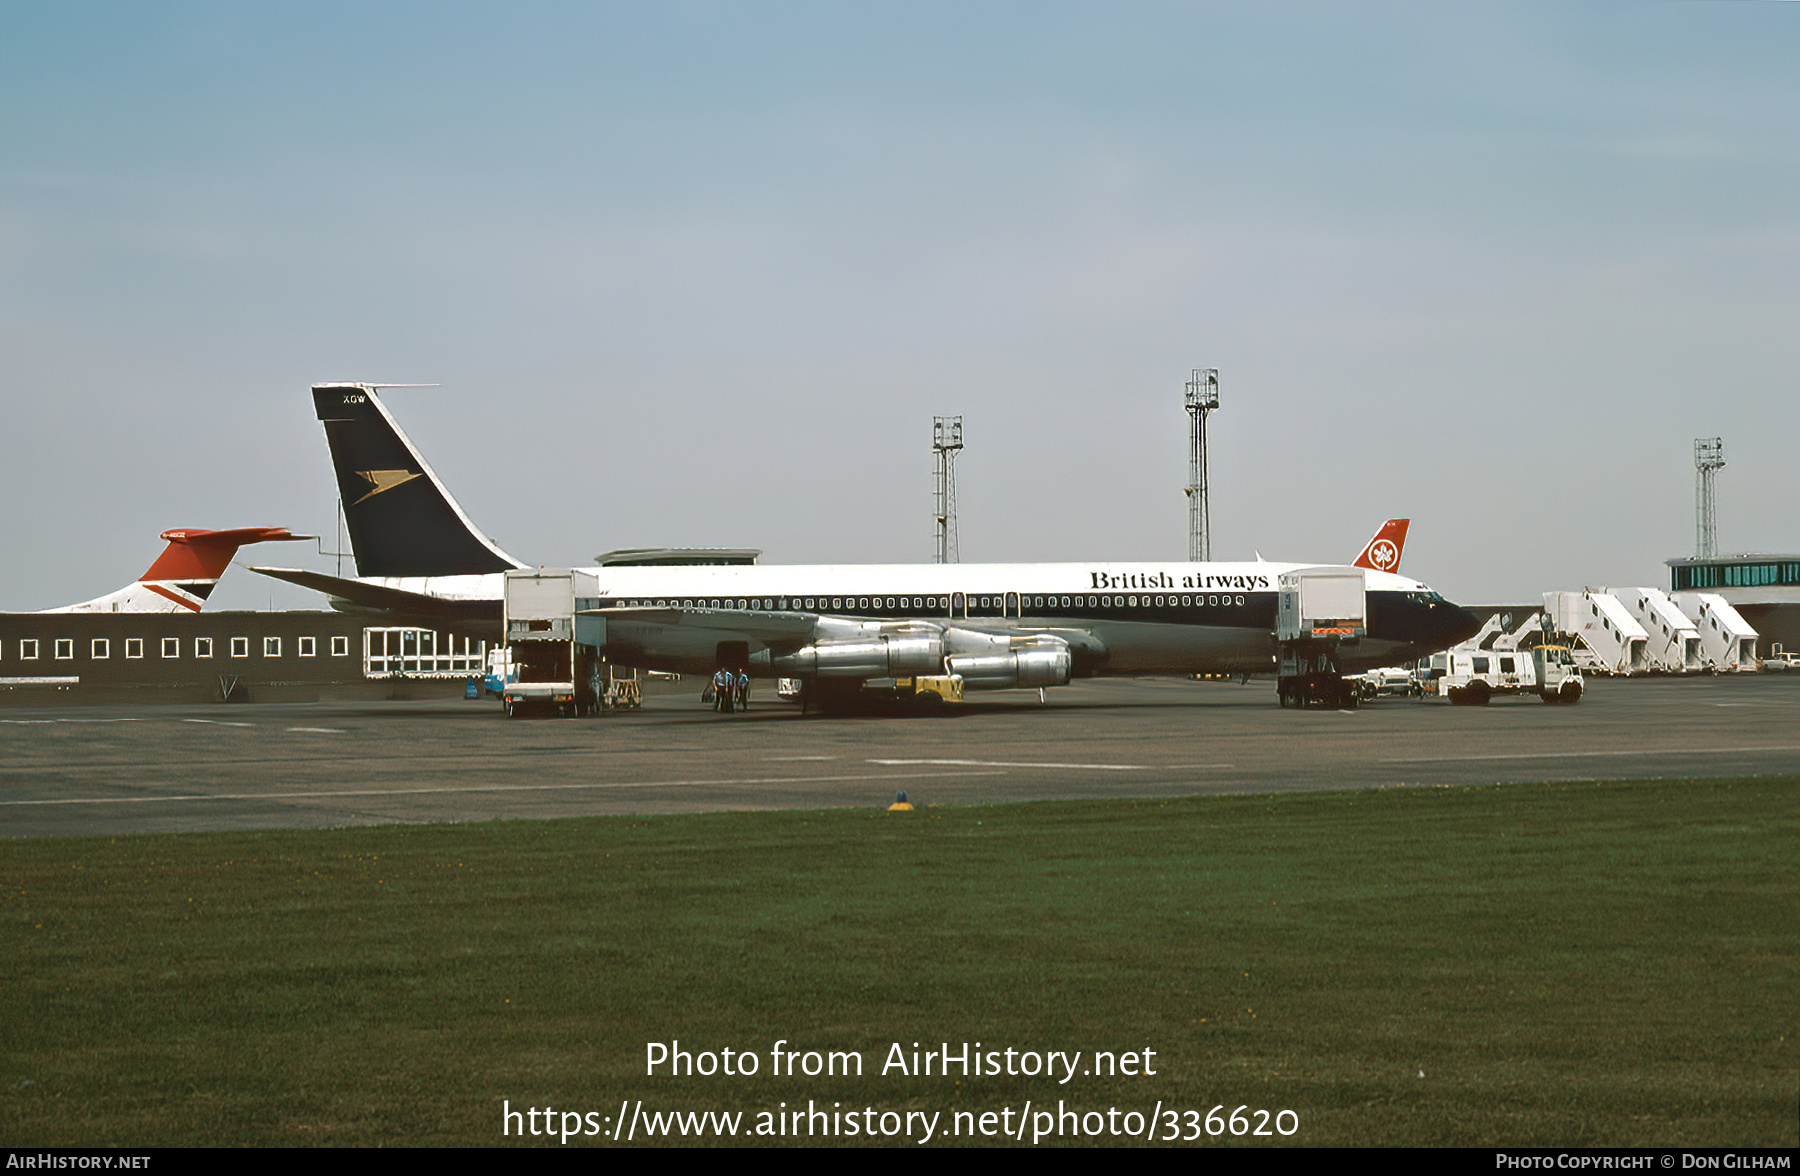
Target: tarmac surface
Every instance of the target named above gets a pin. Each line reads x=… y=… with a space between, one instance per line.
x=110 y=770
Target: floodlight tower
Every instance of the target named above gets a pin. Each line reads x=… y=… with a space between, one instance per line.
x=1202 y=398
x=946 y=442
x=1709 y=459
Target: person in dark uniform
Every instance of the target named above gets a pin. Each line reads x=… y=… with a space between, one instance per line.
x=742 y=698
x=722 y=685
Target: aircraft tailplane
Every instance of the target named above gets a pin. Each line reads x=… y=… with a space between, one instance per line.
x=402 y=520
x=183 y=576
x=1384 y=551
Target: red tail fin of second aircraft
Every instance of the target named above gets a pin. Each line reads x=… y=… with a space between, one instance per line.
x=1384 y=551
x=184 y=574
x=194 y=554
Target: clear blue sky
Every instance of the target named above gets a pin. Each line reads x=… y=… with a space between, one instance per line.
x=1493 y=266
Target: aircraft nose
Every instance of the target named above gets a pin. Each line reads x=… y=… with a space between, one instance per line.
x=1459 y=626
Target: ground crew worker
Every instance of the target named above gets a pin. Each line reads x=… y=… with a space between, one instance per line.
x=722 y=691
x=743 y=690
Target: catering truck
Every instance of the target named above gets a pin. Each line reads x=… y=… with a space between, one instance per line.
x=554 y=642
x=1318 y=611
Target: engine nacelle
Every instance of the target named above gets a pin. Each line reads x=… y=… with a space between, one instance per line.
x=902 y=656
x=1005 y=671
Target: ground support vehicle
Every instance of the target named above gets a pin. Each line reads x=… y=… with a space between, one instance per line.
x=1727 y=639
x=499 y=672
x=553 y=643
x=1318 y=611
x=621 y=693
x=1602 y=634
x=1386 y=682
x=932 y=689
x=1471 y=677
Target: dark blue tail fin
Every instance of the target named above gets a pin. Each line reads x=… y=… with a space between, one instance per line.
x=402 y=521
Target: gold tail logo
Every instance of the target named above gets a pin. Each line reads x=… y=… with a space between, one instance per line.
x=383 y=481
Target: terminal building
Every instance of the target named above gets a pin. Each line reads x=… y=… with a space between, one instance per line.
x=185 y=654
x=226 y=657
x=1764 y=589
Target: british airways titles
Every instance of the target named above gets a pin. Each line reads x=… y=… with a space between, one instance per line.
x=1125 y=581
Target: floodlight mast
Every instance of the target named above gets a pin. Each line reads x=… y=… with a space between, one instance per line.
x=1202 y=398
x=1709 y=459
x=946 y=442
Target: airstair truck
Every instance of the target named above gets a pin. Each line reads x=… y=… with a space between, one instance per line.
x=1606 y=639
x=1727 y=639
x=555 y=639
x=1674 y=645
x=1318 y=611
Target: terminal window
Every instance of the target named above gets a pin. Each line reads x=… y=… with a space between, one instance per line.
x=203 y=647
x=134 y=647
x=65 y=648
x=421 y=653
x=171 y=647
x=240 y=647
x=28 y=649
x=1740 y=575
x=340 y=647
x=309 y=647
x=271 y=647
x=100 y=649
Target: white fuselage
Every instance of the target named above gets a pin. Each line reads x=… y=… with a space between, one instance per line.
x=1119 y=618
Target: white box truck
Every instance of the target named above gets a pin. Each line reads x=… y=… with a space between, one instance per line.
x=554 y=639
x=1318 y=610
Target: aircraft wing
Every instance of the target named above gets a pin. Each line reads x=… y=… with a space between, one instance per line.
x=380 y=598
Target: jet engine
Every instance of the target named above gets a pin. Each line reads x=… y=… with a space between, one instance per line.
x=1033 y=666
x=901 y=656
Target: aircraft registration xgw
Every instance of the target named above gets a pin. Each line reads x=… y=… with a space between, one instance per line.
x=836 y=627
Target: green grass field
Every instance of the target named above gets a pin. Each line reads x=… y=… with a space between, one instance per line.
x=1553 y=964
